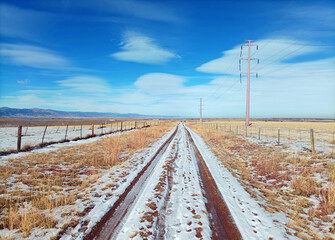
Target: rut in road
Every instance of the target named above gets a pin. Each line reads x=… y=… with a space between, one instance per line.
x=108 y=224
x=172 y=201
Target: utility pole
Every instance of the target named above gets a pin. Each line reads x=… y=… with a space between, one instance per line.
x=248 y=74
x=200 y=109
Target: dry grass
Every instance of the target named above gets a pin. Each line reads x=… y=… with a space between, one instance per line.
x=37 y=186
x=290 y=131
x=304 y=186
x=112 y=150
x=289 y=183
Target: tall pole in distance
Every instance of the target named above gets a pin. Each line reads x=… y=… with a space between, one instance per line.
x=248 y=88
x=247 y=119
x=200 y=109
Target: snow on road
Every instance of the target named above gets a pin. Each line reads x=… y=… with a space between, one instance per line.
x=171 y=204
x=251 y=219
x=125 y=176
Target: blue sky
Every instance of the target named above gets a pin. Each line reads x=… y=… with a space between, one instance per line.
x=160 y=57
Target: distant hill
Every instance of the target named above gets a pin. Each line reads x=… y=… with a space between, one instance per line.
x=6 y=112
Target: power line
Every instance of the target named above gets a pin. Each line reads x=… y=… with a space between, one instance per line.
x=285 y=56
x=226 y=90
x=231 y=69
x=281 y=57
x=213 y=96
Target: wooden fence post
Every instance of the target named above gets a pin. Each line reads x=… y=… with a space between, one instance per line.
x=312 y=141
x=289 y=135
x=67 y=126
x=19 y=134
x=92 y=129
x=333 y=143
x=278 y=136
x=259 y=133
x=44 y=133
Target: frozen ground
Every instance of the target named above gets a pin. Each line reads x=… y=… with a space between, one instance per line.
x=33 y=135
x=172 y=205
x=173 y=190
x=252 y=220
x=171 y=202
x=97 y=199
x=299 y=140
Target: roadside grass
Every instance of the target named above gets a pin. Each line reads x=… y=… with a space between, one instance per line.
x=53 y=190
x=290 y=131
x=301 y=185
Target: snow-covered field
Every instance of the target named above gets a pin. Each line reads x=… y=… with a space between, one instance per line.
x=301 y=142
x=285 y=180
x=171 y=202
x=32 y=136
x=252 y=220
x=97 y=193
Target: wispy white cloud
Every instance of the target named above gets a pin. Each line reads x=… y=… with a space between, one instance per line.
x=142 y=49
x=22 y=101
x=32 y=56
x=313 y=20
x=286 y=80
x=271 y=52
x=81 y=93
x=288 y=86
x=315 y=14
x=23 y=82
x=85 y=84
x=144 y=9
x=147 y=10
x=160 y=83
x=23 y=23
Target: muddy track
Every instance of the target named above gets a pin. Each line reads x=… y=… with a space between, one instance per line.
x=161 y=227
x=222 y=224
x=105 y=228
x=155 y=221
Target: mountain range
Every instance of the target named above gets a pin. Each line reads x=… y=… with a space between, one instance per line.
x=6 y=112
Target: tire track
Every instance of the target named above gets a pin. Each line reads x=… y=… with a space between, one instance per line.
x=222 y=224
x=105 y=228
x=174 y=196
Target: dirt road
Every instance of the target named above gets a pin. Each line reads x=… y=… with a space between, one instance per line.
x=174 y=196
